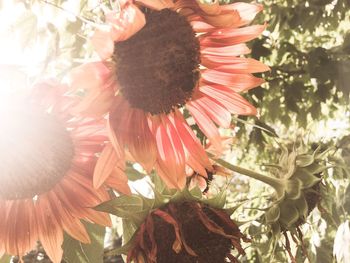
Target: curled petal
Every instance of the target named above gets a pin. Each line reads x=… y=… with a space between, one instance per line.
x=156 y=4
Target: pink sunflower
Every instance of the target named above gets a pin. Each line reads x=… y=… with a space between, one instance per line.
x=47 y=163
x=159 y=60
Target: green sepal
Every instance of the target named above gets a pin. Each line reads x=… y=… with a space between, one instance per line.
x=289 y=214
x=307 y=179
x=276 y=230
x=303 y=160
x=186 y=194
x=218 y=201
x=293 y=188
x=231 y=210
x=302 y=206
x=315 y=168
x=272 y=214
x=322 y=155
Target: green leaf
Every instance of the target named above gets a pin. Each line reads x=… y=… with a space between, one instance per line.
x=132 y=203
x=75 y=251
x=128 y=207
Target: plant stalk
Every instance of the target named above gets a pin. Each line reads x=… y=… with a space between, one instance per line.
x=273 y=182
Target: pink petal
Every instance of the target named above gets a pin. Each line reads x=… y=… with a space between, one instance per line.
x=90 y=76
x=206 y=125
x=95 y=104
x=103 y=42
x=199 y=26
x=229 y=51
x=171 y=155
x=236 y=65
x=197 y=158
x=125 y=23
x=219 y=114
x=237 y=82
x=234 y=102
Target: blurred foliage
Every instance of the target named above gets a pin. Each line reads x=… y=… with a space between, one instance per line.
x=307 y=46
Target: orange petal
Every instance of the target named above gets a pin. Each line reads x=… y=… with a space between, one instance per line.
x=212 y=8
x=223 y=20
x=21 y=231
x=70 y=224
x=105 y=165
x=119 y=181
x=50 y=231
x=247 y=11
x=140 y=140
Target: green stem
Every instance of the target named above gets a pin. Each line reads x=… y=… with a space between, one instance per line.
x=274 y=182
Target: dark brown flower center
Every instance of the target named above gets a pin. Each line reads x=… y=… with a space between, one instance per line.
x=158 y=67
x=36 y=151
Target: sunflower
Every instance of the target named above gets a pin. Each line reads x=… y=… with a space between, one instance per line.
x=159 y=60
x=47 y=163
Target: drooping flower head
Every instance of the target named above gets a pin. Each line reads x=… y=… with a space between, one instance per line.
x=47 y=163
x=176 y=226
x=161 y=58
x=298 y=192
